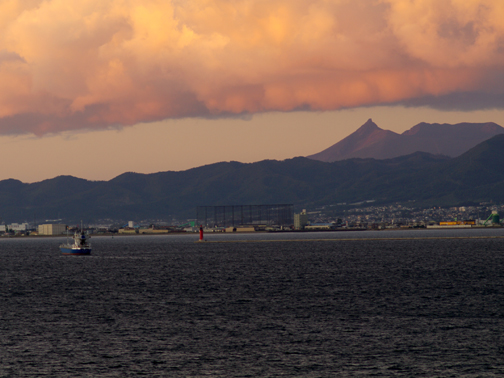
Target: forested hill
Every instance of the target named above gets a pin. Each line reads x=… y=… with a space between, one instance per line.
x=477 y=175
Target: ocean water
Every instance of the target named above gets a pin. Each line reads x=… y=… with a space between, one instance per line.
x=350 y=304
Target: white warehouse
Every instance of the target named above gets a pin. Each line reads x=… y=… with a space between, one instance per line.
x=51 y=229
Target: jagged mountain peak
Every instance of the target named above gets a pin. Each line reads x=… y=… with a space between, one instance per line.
x=368 y=127
x=370 y=141
x=367 y=137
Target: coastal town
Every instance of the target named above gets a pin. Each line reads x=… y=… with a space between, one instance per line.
x=360 y=216
x=406 y=216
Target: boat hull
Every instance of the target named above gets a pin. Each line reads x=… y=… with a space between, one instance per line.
x=75 y=251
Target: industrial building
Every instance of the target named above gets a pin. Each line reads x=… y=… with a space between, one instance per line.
x=457 y=223
x=244 y=215
x=18 y=226
x=320 y=226
x=300 y=220
x=51 y=229
x=240 y=229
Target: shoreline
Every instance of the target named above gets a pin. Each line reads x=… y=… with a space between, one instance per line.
x=258 y=232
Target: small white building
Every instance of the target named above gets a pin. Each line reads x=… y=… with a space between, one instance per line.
x=18 y=226
x=51 y=229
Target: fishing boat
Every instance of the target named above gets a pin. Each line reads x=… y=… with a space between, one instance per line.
x=80 y=246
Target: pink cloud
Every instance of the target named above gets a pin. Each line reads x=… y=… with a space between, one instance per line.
x=94 y=64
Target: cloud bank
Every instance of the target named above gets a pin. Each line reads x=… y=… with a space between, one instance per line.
x=95 y=64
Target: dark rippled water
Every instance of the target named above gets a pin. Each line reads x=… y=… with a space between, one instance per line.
x=168 y=307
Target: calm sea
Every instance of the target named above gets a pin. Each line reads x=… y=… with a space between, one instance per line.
x=360 y=304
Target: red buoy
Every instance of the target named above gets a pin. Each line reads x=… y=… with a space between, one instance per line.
x=201 y=233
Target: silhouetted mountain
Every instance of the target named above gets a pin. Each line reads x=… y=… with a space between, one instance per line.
x=475 y=176
x=369 y=141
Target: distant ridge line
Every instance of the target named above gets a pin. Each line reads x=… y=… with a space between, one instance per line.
x=420 y=179
x=370 y=141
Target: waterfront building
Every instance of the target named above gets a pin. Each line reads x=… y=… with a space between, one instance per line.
x=51 y=229
x=18 y=226
x=128 y=230
x=300 y=220
x=240 y=229
x=320 y=226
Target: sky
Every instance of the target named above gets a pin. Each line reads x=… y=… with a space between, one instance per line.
x=94 y=88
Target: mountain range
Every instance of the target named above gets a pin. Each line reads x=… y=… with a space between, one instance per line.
x=369 y=141
x=437 y=180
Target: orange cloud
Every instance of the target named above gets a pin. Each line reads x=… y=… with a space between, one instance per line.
x=94 y=64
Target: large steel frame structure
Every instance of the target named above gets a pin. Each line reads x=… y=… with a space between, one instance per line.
x=236 y=215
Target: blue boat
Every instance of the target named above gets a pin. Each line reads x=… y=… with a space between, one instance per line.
x=81 y=246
